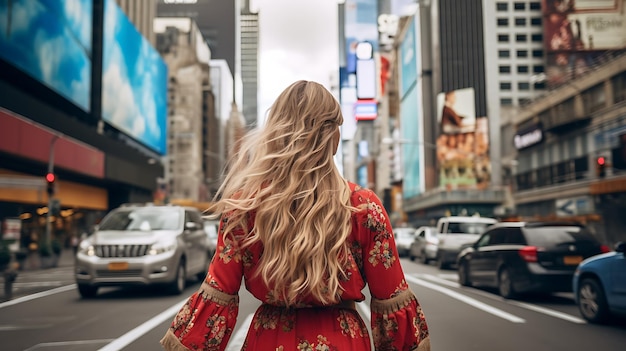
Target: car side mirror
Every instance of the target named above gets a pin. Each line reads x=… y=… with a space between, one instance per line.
x=621 y=247
x=190 y=225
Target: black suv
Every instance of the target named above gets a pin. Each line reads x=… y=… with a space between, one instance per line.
x=519 y=257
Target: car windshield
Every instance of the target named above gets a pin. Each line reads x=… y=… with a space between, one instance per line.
x=211 y=228
x=467 y=227
x=555 y=235
x=142 y=219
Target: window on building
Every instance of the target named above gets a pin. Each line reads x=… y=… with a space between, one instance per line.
x=521 y=38
x=538 y=53
x=535 y=5
x=535 y=21
x=524 y=101
x=538 y=69
x=520 y=22
x=503 y=38
x=504 y=53
x=519 y=6
x=503 y=22
x=522 y=53
x=536 y=38
x=539 y=86
x=505 y=86
x=619 y=87
x=505 y=69
x=594 y=98
x=523 y=86
x=506 y=102
x=522 y=69
x=502 y=6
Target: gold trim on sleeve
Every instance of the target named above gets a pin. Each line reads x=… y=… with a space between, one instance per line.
x=393 y=304
x=171 y=343
x=210 y=293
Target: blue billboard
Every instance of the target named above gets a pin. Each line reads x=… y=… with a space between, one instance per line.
x=50 y=40
x=361 y=24
x=134 y=82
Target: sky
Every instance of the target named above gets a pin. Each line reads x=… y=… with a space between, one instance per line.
x=298 y=40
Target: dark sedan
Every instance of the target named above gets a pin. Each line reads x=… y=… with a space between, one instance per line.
x=519 y=257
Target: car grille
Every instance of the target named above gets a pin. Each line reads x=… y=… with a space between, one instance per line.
x=118 y=274
x=121 y=250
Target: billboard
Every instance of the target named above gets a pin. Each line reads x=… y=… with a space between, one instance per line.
x=463 y=142
x=577 y=32
x=361 y=24
x=411 y=114
x=134 y=82
x=50 y=40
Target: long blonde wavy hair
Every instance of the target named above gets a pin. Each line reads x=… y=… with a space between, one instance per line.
x=285 y=174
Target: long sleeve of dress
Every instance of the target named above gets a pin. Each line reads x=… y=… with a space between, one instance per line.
x=398 y=322
x=206 y=321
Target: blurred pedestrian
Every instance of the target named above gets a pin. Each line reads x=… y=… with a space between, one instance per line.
x=305 y=240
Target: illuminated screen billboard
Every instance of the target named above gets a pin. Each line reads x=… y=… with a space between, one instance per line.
x=50 y=40
x=134 y=82
x=463 y=142
x=577 y=32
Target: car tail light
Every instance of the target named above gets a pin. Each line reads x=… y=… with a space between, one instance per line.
x=605 y=249
x=528 y=253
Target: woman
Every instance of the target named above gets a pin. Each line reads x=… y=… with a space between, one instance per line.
x=306 y=242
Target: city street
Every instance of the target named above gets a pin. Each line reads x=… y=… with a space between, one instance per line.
x=54 y=317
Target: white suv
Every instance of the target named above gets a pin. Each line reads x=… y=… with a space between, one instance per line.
x=455 y=231
x=141 y=245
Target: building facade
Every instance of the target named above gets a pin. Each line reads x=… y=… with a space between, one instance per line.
x=249 y=63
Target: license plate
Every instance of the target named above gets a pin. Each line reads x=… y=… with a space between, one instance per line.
x=572 y=260
x=118 y=266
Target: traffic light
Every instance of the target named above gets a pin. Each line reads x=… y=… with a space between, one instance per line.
x=50 y=178
x=601 y=166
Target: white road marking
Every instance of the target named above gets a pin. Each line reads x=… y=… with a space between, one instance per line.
x=366 y=313
x=150 y=324
x=237 y=340
x=468 y=300
x=527 y=306
x=37 y=295
x=68 y=343
x=548 y=312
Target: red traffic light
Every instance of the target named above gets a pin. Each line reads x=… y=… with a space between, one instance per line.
x=50 y=177
x=601 y=161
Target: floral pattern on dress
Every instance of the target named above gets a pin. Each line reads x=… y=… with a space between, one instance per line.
x=322 y=345
x=229 y=251
x=351 y=325
x=383 y=332
x=382 y=253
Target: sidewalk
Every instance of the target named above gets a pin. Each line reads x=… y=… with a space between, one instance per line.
x=32 y=280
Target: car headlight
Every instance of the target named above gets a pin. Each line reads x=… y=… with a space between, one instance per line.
x=161 y=247
x=86 y=248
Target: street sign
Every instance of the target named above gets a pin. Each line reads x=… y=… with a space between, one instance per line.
x=365 y=110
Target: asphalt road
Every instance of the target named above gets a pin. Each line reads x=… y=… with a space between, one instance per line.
x=48 y=314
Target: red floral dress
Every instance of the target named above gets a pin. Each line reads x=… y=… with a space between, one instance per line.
x=207 y=320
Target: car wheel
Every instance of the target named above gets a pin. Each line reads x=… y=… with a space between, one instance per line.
x=441 y=263
x=178 y=285
x=592 y=301
x=87 y=291
x=424 y=258
x=505 y=284
x=464 y=278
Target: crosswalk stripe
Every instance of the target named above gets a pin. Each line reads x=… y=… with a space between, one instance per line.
x=237 y=340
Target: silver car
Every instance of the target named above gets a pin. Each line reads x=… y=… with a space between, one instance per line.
x=424 y=247
x=404 y=237
x=142 y=245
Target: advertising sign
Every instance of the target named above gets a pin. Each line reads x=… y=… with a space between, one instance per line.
x=50 y=40
x=134 y=82
x=463 y=142
x=576 y=32
x=361 y=24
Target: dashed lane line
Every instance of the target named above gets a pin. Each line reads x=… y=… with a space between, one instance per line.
x=468 y=300
x=37 y=295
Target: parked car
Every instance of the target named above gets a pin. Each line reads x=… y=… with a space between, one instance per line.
x=211 y=227
x=520 y=257
x=404 y=237
x=599 y=285
x=424 y=246
x=454 y=232
x=141 y=245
